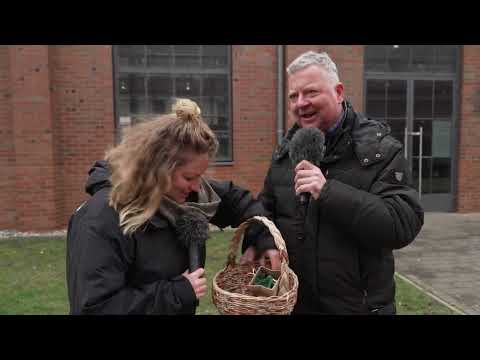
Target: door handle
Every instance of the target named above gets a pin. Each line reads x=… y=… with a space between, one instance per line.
x=420 y=154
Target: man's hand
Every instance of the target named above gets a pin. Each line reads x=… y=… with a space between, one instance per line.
x=249 y=256
x=308 y=179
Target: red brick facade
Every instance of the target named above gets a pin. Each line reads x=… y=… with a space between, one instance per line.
x=254 y=84
x=469 y=134
x=57 y=117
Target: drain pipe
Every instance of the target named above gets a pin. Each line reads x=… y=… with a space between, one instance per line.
x=280 y=92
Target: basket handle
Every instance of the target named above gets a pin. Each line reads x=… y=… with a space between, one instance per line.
x=237 y=236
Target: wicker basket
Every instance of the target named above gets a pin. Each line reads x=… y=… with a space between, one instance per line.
x=230 y=294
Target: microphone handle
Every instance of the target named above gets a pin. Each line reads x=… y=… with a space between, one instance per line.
x=304 y=198
x=196 y=258
x=196 y=255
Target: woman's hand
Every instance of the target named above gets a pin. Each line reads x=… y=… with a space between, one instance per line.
x=198 y=281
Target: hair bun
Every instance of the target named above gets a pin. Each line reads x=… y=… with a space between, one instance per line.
x=186 y=110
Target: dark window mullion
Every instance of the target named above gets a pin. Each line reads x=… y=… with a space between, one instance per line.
x=145 y=78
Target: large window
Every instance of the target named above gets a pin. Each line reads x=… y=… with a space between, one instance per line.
x=411 y=58
x=150 y=77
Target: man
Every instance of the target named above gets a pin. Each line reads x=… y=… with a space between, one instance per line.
x=362 y=205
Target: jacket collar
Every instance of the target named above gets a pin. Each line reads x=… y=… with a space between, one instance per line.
x=282 y=149
x=365 y=133
x=158 y=221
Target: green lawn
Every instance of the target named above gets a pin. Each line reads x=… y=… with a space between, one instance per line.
x=32 y=278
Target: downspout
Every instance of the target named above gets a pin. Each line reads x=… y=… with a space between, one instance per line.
x=280 y=92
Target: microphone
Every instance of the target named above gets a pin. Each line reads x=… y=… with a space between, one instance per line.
x=307 y=144
x=192 y=231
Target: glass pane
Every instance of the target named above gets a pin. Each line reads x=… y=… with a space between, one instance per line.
x=375 y=57
x=423 y=57
x=215 y=85
x=224 y=149
x=136 y=85
x=181 y=50
x=159 y=56
x=397 y=128
x=123 y=107
x=443 y=105
x=187 y=86
x=214 y=56
x=138 y=106
x=131 y=55
x=124 y=85
x=427 y=137
x=426 y=174
x=423 y=103
x=214 y=106
x=376 y=98
x=396 y=98
x=219 y=51
x=398 y=57
x=187 y=55
x=441 y=175
x=160 y=86
x=217 y=122
x=160 y=106
x=441 y=137
x=447 y=58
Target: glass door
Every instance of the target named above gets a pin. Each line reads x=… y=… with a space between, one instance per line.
x=433 y=113
x=419 y=111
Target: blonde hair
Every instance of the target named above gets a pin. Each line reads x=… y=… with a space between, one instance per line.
x=142 y=164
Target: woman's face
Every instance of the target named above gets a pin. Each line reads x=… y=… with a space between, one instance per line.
x=186 y=178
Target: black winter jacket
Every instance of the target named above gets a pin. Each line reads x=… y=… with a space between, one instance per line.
x=111 y=273
x=341 y=245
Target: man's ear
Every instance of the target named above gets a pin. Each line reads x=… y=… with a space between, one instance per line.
x=339 y=91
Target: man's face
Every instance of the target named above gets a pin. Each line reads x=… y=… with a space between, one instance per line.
x=313 y=99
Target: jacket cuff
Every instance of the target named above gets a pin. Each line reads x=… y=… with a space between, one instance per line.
x=265 y=243
x=257 y=235
x=184 y=291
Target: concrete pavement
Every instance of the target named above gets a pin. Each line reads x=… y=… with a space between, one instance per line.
x=444 y=260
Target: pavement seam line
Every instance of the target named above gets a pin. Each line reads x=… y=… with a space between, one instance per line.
x=429 y=293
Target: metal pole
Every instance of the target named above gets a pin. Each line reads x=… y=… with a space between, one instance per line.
x=405 y=144
x=420 y=161
x=280 y=92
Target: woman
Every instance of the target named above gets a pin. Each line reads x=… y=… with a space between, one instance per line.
x=124 y=255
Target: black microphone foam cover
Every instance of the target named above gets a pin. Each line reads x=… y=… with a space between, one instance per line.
x=192 y=231
x=307 y=144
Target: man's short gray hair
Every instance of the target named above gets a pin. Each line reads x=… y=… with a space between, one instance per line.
x=313 y=58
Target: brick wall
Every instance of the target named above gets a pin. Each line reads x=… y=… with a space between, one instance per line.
x=469 y=132
x=7 y=155
x=82 y=98
x=33 y=137
x=56 y=117
x=254 y=84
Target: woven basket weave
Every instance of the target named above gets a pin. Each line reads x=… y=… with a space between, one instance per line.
x=230 y=285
